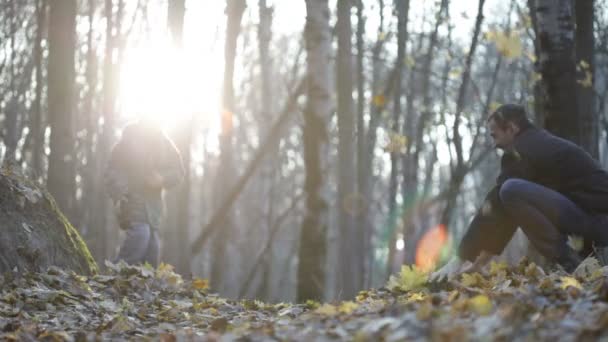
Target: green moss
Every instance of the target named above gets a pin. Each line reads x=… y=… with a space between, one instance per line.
x=75 y=240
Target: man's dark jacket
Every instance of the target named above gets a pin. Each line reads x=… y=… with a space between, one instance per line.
x=548 y=160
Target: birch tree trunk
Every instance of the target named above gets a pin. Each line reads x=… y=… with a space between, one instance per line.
x=350 y=276
x=61 y=71
x=313 y=249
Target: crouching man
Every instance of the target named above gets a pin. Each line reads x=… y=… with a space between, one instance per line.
x=548 y=186
x=143 y=163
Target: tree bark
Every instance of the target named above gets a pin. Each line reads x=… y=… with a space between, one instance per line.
x=36 y=123
x=225 y=172
x=402 y=9
x=350 y=277
x=588 y=135
x=176 y=231
x=313 y=239
x=557 y=65
x=61 y=71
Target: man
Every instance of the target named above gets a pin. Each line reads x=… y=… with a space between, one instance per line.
x=142 y=164
x=548 y=186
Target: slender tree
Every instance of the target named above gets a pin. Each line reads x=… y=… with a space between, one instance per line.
x=312 y=252
x=61 y=70
x=350 y=279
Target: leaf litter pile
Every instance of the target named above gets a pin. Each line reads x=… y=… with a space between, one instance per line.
x=519 y=302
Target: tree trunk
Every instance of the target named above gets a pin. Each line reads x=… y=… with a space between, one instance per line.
x=402 y=9
x=313 y=249
x=176 y=230
x=225 y=173
x=36 y=123
x=557 y=64
x=588 y=135
x=359 y=223
x=61 y=70
x=350 y=277
x=264 y=37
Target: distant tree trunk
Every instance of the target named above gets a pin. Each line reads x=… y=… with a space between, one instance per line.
x=36 y=123
x=588 y=135
x=402 y=9
x=225 y=172
x=311 y=269
x=359 y=223
x=61 y=71
x=177 y=232
x=11 y=124
x=557 y=65
x=90 y=124
x=264 y=38
x=350 y=275
x=101 y=247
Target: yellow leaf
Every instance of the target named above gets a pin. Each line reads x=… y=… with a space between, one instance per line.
x=410 y=278
x=416 y=297
x=480 y=304
x=409 y=61
x=381 y=36
x=347 y=307
x=455 y=73
x=453 y=295
x=508 y=44
x=396 y=143
x=494 y=106
x=472 y=280
x=583 y=64
x=200 y=284
x=569 y=281
x=327 y=310
x=587 y=82
x=531 y=56
x=496 y=267
x=379 y=101
x=576 y=242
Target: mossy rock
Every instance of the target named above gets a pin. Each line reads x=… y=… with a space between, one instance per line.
x=34 y=234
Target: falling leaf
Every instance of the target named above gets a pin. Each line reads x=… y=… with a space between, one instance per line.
x=379 y=100
x=507 y=44
x=586 y=82
x=576 y=242
x=396 y=143
x=409 y=61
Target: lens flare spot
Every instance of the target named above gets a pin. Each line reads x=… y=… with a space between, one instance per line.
x=429 y=247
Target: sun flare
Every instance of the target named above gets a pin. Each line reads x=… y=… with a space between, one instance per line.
x=167 y=85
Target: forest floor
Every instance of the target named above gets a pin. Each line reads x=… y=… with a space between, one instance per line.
x=519 y=302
